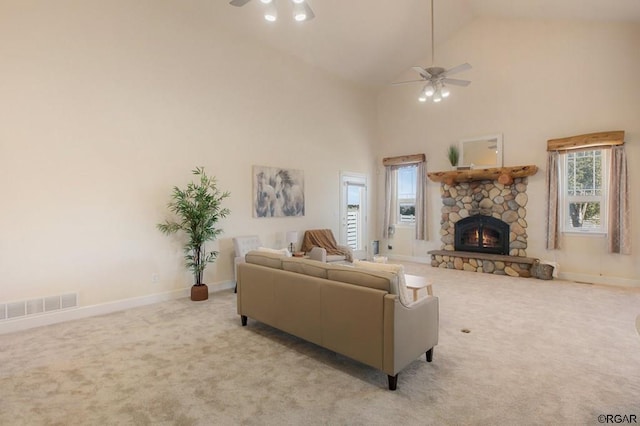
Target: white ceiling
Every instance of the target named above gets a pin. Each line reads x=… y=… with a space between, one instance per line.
x=372 y=41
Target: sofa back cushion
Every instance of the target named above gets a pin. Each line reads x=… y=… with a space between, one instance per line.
x=401 y=288
x=264 y=258
x=305 y=266
x=284 y=251
x=380 y=280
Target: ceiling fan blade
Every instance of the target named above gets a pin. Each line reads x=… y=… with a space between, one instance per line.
x=406 y=82
x=458 y=69
x=309 y=12
x=239 y=3
x=422 y=72
x=456 y=82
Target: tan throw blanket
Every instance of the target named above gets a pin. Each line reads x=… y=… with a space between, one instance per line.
x=322 y=238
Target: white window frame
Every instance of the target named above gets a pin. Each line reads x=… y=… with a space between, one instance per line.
x=566 y=199
x=405 y=200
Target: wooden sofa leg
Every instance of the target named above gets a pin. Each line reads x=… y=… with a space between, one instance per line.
x=243 y=318
x=393 y=382
x=430 y=355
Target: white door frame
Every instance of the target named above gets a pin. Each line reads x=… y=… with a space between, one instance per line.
x=354 y=179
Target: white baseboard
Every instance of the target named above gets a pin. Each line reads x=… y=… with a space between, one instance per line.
x=25 y=323
x=414 y=259
x=600 y=280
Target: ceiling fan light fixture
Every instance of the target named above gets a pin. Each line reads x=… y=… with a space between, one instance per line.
x=271 y=14
x=428 y=90
x=299 y=11
x=422 y=97
x=436 y=77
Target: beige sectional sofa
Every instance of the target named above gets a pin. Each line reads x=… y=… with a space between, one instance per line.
x=350 y=310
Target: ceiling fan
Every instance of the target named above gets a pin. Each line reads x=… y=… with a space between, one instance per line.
x=301 y=9
x=437 y=77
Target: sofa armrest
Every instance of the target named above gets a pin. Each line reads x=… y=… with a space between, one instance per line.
x=409 y=331
x=236 y=261
x=319 y=254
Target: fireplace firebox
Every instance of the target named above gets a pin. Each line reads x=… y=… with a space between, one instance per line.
x=484 y=234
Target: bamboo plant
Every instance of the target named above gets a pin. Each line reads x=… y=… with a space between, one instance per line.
x=453 y=154
x=197 y=208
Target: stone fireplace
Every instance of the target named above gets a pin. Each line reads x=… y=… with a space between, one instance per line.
x=483 y=225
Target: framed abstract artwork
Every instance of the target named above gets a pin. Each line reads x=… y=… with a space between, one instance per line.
x=277 y=192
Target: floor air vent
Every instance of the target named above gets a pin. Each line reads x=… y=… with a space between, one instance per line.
x=37 y=306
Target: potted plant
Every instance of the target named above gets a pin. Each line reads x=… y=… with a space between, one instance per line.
x=198 y=208
x=453 y=154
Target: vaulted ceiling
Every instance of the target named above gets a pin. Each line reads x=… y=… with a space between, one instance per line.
x=371 y=42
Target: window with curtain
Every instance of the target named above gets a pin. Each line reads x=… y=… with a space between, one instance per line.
x=405 y=194
x=588 y=189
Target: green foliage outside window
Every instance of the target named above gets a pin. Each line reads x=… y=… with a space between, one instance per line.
x=584 y=180
x=407 y=210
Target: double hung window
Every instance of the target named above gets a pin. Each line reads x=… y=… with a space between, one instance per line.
x=406 y=194
x=583 y=196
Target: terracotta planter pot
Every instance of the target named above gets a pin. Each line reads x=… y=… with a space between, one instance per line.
x=199 y=292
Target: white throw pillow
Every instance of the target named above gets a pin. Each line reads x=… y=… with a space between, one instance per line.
x=406 y=298
x=284 y=252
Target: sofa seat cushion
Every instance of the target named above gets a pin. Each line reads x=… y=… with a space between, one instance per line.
x=305 y=266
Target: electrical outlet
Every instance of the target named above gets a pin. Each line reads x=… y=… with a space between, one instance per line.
x=155 y=278
x=390 y=247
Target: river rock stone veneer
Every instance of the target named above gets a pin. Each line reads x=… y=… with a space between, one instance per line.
x=489 y=198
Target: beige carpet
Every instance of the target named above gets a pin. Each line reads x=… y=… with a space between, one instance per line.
x=539 y=352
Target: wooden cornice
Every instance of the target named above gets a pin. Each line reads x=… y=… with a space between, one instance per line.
x=404 y=160
x=503 y=175
x=601 y=139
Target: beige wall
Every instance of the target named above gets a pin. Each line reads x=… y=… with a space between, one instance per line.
x=531 y=81
x=105 y=105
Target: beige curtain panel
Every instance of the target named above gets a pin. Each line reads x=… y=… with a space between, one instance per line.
x=619 y=235
x=421 y=202
x=390 y=185
x=553 y=231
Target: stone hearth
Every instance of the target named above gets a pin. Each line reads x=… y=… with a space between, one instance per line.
x=514 y=266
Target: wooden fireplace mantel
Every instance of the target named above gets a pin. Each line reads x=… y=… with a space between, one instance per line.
x=503 y=175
